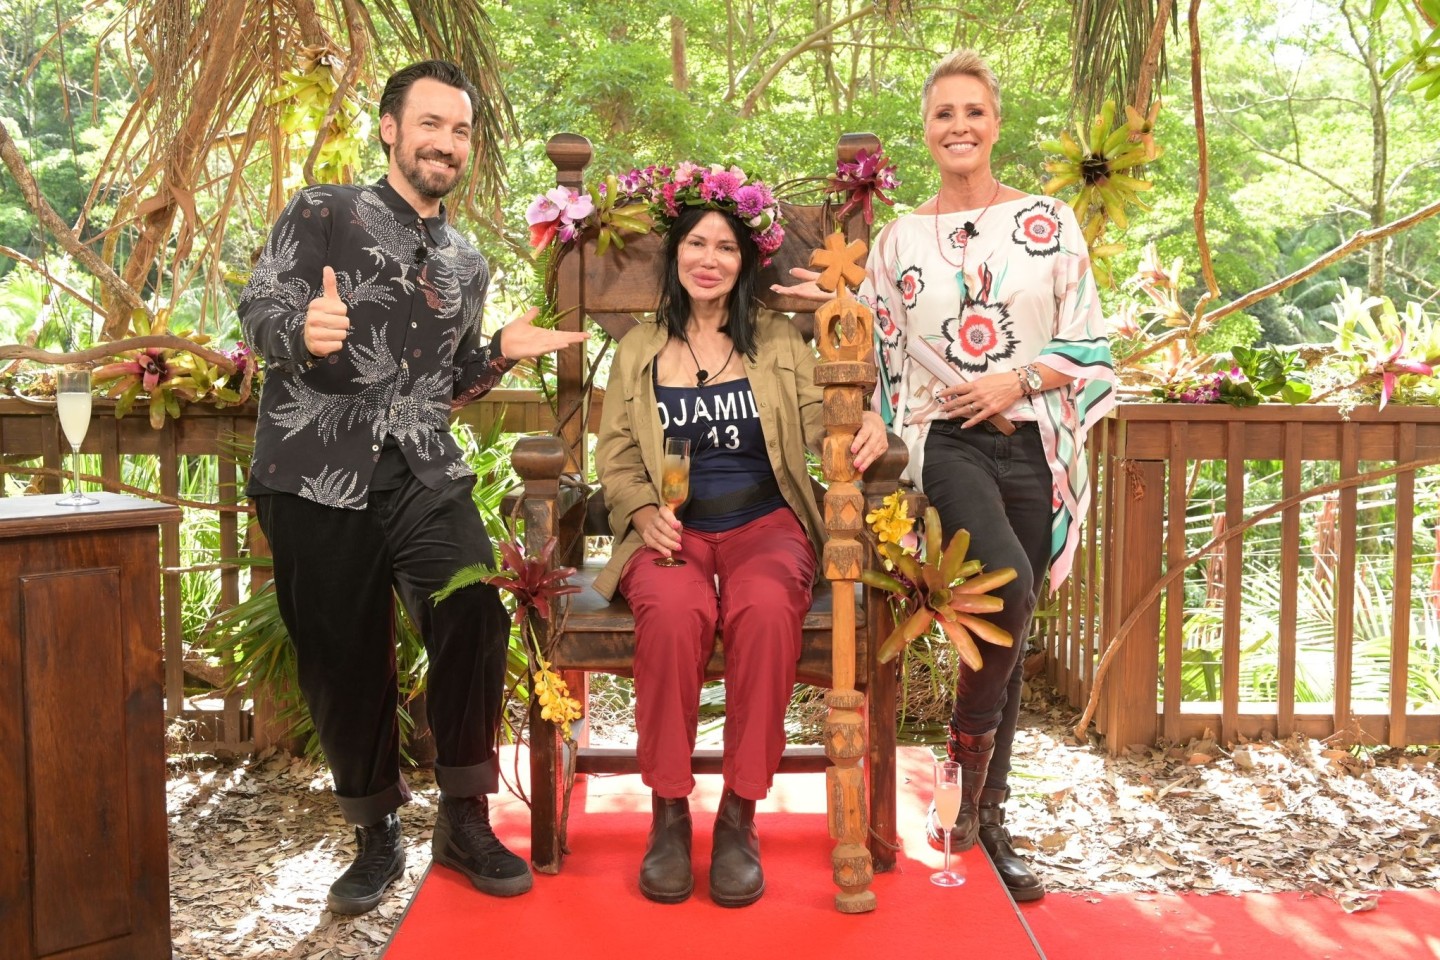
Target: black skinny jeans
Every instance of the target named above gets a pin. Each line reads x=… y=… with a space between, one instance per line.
x=999 y=488
x=334 y=572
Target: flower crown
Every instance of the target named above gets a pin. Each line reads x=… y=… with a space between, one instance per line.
x=716 y=187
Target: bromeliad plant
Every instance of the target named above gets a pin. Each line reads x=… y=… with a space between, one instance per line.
x=1098 y=161
x=535 y=586
x=168 y=377
x=1378 y=344
x=941 y=586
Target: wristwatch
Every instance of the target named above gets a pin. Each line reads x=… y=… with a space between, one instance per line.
x=1030 y=380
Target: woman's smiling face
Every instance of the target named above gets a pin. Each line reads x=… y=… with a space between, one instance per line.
x=961 y=124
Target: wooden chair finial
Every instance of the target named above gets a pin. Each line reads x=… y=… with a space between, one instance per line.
x=838 y=261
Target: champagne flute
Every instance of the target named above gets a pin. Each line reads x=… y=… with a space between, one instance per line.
x=947 y=807
x=72 y=403
x=674 y=484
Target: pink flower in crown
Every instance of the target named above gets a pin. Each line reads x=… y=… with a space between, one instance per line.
x=769 y=242
x=685 y=171
x=749 y=201
x=720 y=184
x=667 y=194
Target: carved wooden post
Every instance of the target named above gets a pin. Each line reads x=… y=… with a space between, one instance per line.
x=842 y=332
x=570 y=156
x=539 y=461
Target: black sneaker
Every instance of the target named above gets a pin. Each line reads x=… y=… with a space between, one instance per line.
x=379 y=862
x=465 y=842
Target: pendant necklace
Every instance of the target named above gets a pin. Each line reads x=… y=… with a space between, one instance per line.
x=701 y=375
x=971 y=232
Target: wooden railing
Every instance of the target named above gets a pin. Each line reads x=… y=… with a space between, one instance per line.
x=1128 y=588
x=1134 y=534
x=30 y=439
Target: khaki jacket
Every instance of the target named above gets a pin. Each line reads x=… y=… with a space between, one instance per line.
x=631 y=443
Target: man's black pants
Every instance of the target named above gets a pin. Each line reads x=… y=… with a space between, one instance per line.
x=334 y=573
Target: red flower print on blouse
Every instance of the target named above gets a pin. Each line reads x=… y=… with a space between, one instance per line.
x=910 y=283
x=1037 y=229
x=980 y=336
x=886 y=322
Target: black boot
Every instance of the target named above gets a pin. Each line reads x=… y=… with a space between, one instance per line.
x=464 y=841
x=972 y=752
x=665 y=875
x=1022 y=883
x=736 y=879
x=379 y=861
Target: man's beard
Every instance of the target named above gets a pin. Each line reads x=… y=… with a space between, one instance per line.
x=433 y=184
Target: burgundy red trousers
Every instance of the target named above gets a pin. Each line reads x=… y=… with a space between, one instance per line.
x=753 y=585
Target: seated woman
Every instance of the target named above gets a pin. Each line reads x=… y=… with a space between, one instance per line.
x=737 y=382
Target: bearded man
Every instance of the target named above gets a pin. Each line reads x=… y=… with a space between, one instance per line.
x=366 y=306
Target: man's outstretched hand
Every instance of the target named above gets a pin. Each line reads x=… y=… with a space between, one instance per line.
x=520 y=339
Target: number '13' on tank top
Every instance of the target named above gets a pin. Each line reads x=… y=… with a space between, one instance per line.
x=727 y=446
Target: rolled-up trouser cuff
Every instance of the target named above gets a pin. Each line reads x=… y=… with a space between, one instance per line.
x=469 y=781
x=365 y=811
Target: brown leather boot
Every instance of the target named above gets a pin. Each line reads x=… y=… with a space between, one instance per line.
x=1019 y=879
x=972 y=752
x=665 y=875
x=736 y=879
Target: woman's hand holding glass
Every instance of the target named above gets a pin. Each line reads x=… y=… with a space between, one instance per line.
x=659 y=530
x=675 y=489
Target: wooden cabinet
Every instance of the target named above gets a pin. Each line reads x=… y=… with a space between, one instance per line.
x=83 y=842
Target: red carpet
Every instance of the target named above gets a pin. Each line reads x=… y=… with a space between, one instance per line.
x=1405 y=925
x=594 y=909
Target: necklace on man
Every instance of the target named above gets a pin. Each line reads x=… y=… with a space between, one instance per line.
x=701 y=374
x=971 y=232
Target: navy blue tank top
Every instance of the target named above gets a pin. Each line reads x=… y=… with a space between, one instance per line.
x=727 y=450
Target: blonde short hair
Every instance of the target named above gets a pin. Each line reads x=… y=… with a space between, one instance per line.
x=966 y=63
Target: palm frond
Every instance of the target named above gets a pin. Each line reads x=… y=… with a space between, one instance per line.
x=1108 y=44
x=461 y=30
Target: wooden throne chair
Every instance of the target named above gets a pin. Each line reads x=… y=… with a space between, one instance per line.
x=593 y=635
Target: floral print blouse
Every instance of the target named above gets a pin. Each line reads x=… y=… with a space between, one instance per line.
x=1026 y=295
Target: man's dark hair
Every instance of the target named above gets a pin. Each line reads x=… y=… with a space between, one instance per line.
x=674 y=308
x=392 y=101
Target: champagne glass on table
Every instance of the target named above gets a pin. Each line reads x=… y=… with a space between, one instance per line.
x=947 y=808
x=72 y=403
x=674 y=484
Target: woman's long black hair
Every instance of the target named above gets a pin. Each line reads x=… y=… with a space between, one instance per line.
x=674 y=307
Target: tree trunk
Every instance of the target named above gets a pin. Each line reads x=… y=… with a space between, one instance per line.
x=677 y=54
x=216 y=54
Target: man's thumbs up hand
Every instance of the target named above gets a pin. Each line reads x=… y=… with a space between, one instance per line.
x=326 y=322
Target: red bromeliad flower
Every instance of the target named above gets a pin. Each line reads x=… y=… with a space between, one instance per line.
x=865 y=179
x=1393 y=365
x=531 y=580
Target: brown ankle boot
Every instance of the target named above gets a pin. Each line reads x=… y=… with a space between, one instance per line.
x=736 y=879
x=665 y=875
x=972 y=752
x=1020 y=880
